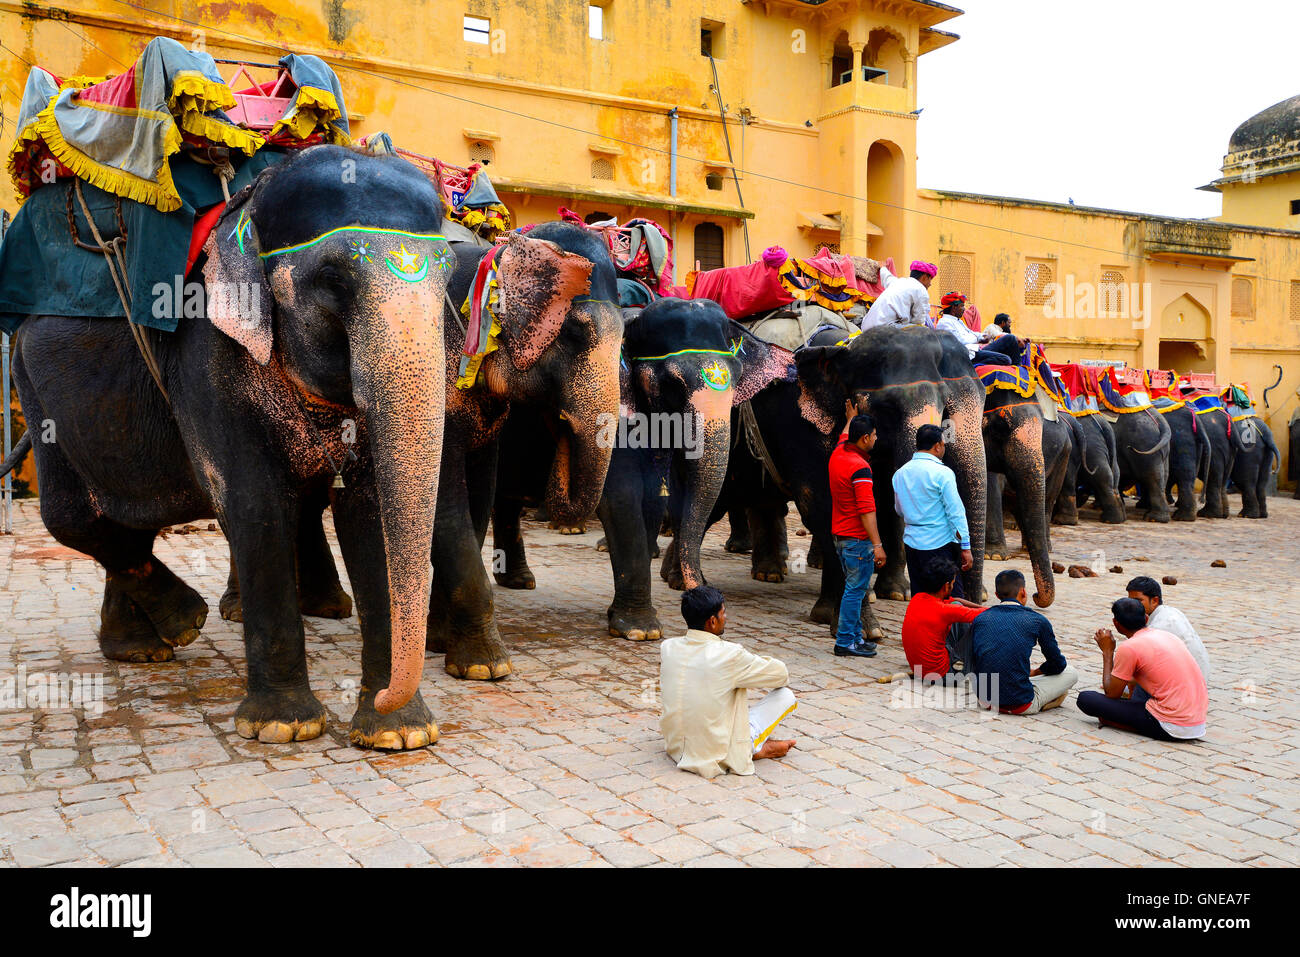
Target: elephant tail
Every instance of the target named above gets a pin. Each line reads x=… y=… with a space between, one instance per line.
x=17 y=455
x=1159 y=446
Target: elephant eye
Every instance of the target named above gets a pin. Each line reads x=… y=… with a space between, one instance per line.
x=333 y=281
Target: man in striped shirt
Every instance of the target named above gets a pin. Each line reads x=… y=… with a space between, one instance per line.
x=854 y=531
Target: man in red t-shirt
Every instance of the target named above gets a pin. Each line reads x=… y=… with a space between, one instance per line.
x=930 y=613
x=854 y=532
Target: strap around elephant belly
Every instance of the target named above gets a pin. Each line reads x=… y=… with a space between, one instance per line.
x=754 y=438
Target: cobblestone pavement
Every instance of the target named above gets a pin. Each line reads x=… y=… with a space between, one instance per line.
x=562 y=764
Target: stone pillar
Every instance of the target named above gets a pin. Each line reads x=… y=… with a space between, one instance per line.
x=858 y=46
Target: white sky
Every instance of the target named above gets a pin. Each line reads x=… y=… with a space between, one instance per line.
x=1126 y=104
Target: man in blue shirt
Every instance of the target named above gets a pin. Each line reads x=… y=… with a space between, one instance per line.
x=1001 y=642
x=925 y=494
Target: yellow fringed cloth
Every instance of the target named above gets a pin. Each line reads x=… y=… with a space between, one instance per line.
x=119 y=134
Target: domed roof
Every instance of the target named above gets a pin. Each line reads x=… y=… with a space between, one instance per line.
x=1279 y=124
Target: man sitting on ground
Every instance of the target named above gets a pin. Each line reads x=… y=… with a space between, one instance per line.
x=930 y=613
x=1003 y=640
x=1159 y=615
x=707 y=724
x=1173 y=702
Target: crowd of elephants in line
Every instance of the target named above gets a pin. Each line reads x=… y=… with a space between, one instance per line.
x=260 y=404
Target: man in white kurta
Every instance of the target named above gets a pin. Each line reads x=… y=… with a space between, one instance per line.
x=906 y=299
x=707 y=723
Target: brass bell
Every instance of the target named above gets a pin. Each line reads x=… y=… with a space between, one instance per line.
x=338 y=480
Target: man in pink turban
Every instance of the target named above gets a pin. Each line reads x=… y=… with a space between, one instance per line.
x=905 y=301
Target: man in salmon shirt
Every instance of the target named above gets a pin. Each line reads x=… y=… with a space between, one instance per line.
x=1169 y=700
x=930 y=613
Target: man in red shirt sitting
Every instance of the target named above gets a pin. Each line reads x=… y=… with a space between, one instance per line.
x=930 y=613
x=854 y=532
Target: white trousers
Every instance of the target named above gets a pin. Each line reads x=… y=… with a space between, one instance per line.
x=768 y=713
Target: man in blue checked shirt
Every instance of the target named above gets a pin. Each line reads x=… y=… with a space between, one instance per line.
x=925 y=495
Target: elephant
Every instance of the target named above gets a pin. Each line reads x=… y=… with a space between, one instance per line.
x=679 y=382
x=1217 y=426
x=1293 y=454
x=1093 y=470
x=1189 y=454
x=1142 y=446
x=560 y=329
x=311 y=380
x=1256 y=458
x=1030 y=454
x=905 y=378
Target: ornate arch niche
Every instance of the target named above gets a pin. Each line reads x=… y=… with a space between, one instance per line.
x=886 y=49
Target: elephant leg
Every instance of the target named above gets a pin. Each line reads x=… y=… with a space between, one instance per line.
x=739 y=541
x=767 y=528
x=229 y=606
x=892 y=582
x=630 y=511
x=320 y=593
x=995 y=536
x=816 y=553
x=462 y=621
x=509 y=559
x=361 y=539
x=279 y=706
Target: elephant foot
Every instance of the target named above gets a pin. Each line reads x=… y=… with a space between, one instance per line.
x=176 y=610
x=1184 y=515
x=891 y=587
x=602 y=544
x=739 y=545
x=672 y=577
x=409 y=727
x=1065 y=516
x=997 y=553
x=654 y=550
x=769 y=571
x=520 y=579
x=1207 y=512
x=984 y=595
x=280 y=718
x=230 y=606
x=332 y=602
x=635 y=625
x=824 y=612
x=579 y=529
x=126 y=634
x=1249 y=514
x=483 y=659
x=815 y=559
x=1117 y=517
x=1160 y=518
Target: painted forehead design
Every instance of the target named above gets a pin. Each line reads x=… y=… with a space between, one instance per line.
x=372 y=230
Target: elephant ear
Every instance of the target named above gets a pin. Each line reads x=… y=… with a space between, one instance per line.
x=238 y=295
x=538 y=282
x=761 y=363
x=822 y=384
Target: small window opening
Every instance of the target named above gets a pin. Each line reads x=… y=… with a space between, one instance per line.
x=477 y=30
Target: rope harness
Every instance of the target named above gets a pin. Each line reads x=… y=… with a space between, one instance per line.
x=757 y=447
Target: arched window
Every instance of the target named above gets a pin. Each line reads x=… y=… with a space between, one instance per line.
x=1039 y=277
x=598 y=217
x=954 y=275
x=1243 y=298
x=1110 y=293
x=482 y=153
x=602 y=168
x=708 y=246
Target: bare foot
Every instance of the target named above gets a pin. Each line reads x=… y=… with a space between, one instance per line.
x=774 y=749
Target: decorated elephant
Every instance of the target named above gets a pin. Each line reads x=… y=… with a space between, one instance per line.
x=685 y=366
x=904 y=379
x=314 y=378
x=1093 y=470
x=1214 y=422
x=1293 y=454
x=1029 y=454
x=1189 y=454
x=551 y=300
x=1255 y=460
x=1142 y=439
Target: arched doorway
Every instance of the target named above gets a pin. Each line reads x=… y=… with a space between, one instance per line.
x=1185 y=341
x=885 y=200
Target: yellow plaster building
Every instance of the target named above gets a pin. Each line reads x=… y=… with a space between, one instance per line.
x=740 y=124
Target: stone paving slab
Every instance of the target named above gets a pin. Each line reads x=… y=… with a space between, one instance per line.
x=562 y=764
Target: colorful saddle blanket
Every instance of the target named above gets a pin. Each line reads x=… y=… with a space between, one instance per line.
x=829 y=280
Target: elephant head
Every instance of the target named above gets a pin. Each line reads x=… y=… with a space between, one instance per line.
x=688 y=366
x=330 y=271
x=559 y=350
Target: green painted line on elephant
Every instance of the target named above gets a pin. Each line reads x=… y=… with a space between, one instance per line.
x=683 y=352
x=352 y=229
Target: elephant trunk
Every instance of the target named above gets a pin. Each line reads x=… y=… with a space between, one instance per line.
x=966 y=451
x=399 y=383
x=582 y=454
x=1027 y=474
x=706 y=447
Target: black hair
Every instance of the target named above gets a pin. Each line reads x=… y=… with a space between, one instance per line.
x=1147 y=586
x=927 y=437
x=1002 y=319
x=919 y=274
x=1129 y=613
x=700 y=604
x=1008 y=584
x=861 y=424
x=935 y=573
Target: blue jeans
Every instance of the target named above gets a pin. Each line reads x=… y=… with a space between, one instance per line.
x=858 y=561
